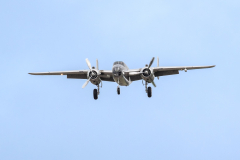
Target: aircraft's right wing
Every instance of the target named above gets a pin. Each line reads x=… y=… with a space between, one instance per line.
x=106 y=75
x=79 y=74
x=61 y=72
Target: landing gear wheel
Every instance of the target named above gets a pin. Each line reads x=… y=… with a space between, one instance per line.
x=149 y=92
x=118 y=91
x=95 y=94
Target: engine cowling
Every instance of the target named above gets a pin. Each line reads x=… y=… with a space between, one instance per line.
x=147 y=74
x=94 y=76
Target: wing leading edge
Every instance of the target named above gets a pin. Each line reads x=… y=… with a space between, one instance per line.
x=155 y=69
x=103 y=72
x=61 y=72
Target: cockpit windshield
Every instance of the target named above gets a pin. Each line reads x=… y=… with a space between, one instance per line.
x=119 y=62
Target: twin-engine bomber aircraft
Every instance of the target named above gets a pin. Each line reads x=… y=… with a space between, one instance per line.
x=121 y=74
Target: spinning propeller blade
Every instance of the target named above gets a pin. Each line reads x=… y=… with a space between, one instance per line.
x=154 y=84
x=93 y=73
x=151 y=62
x=97 y=64
x=85 y=84
x=89 y=64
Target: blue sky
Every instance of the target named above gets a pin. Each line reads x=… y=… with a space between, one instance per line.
x=193 y=115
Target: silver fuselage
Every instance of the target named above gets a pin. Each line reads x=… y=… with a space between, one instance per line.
x=118 y=70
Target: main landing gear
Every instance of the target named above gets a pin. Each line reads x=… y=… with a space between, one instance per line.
x=148 y=90
x=96 y=92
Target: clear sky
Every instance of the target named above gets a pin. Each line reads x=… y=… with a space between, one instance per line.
x=193 y=115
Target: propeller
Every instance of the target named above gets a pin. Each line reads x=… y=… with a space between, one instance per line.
x=89 y=64
x=97 y=64
x=92 y=72
x=145 y=71
x=85 y=84
x=148 y=72
x=153 y=84
x=151 y=62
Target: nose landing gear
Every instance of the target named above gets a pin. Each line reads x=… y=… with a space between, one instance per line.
x=118 y=90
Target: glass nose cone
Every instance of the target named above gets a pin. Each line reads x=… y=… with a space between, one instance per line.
x=117 y=71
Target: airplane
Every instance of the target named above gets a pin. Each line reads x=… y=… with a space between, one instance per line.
x=122 y=75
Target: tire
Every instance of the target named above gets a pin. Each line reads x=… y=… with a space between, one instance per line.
x=149 y=92
x=118 y=91
x=95 y=94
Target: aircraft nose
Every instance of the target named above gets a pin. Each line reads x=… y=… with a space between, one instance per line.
x=117 y=71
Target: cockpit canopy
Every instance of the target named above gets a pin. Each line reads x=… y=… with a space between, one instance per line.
x=119 y=62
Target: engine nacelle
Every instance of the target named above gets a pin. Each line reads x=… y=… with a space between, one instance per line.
x=147 y=74
x=94 y=76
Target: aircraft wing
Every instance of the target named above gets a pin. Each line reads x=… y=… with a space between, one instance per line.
x=163 y=71
x=61 y=72
x=156 y=69
x=106 y=75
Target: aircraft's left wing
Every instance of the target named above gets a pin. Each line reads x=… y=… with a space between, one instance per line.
x=164 y=71
x=156 y=69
